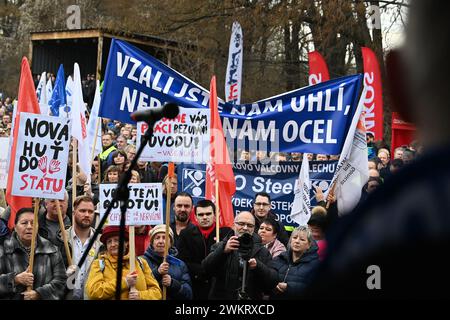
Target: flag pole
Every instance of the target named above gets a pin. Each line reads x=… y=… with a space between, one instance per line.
x=132 y=253
x=170 y=175
x=74 y=170
x=95 y=139
x=33 y=239
x=63 y=233
x=216 y=182
x=333 y=187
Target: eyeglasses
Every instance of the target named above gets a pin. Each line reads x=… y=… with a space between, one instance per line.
x=243 y=224
x=261 y=204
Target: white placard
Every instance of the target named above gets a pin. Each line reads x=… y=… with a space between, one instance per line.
x=143 y=208
x=41 y=156
x=183 y=139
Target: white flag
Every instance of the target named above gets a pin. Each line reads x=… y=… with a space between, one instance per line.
x=301 y=207
x=92 y=124
x=41 y=92
x=79 y=131
x=69 y=94
x=352 y=171
x=233 y=78
x=49 y=88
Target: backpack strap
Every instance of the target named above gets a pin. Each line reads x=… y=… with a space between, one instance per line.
x=141 y=264
x=101 y=263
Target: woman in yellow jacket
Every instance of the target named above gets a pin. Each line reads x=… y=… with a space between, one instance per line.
x=101 y=283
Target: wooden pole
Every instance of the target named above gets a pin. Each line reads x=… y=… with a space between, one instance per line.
x=218 y=211
x=33 y=239
x=95 y=139
x=74 y=170
x=132 y=252
x=63 y=233
x=170 y=176
x=333 y=187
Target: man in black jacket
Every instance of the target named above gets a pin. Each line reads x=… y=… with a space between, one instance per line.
x=195 y=243
x=239 y=264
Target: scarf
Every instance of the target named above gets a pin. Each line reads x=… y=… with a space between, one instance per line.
x=207 y=232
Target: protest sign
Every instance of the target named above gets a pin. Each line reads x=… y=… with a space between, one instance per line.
x=183 y=139
x=144 y=206
x=41 y=156
x=277 y=179
x=312 y=119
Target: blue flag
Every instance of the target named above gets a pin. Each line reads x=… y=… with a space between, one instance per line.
x=313 y=119
x=58 y=99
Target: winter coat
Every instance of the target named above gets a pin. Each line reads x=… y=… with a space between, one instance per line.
x=48 y=269
x=43 y=231
x=4 y=231
x=193 y=248
x=297 y=274
x=180 y=287
x=227 y=270
x=101 y=283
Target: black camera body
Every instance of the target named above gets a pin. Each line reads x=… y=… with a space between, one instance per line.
x=245 y=245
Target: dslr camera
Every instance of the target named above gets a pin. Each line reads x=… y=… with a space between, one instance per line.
x=245 y=245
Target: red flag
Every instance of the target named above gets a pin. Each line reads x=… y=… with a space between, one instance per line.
x=373 y=101
x=27 y=103
x=318 y=70
x=219 y=168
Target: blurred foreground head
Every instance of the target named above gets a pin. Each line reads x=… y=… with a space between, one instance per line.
x=419 y=72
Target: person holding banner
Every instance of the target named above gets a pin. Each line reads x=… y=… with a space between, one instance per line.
x=79 y=235
x=48 y=278
x=172 y=274
x=195 y=244
x=295 y=265
x=49 y=227
x=101 y=283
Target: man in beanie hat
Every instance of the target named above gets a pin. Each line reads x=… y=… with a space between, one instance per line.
x=172 y=274
x=101 y=283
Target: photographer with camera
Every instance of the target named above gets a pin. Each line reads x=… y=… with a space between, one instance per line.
x=239 y=264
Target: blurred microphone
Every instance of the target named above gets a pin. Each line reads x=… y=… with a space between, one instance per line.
x=150 y=115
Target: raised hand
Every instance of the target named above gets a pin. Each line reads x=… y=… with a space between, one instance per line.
x=54 y=166
x=42 y=164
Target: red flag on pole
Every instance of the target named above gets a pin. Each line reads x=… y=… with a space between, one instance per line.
x=27 y=102
x=318 y=70
x=373 y=101
x=219 y=168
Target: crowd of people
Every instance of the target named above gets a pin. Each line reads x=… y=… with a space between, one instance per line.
x=272 y=263
x=400 y=221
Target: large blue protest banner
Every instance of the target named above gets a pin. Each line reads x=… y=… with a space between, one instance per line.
x=277 y=179
x=312 y=119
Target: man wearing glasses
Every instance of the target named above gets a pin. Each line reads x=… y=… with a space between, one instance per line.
x=261 y=210
x=240 y=274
